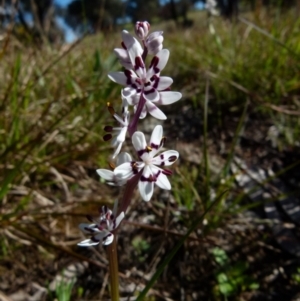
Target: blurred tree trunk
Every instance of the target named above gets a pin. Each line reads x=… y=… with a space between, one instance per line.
x=228 y=8
x=174 y=11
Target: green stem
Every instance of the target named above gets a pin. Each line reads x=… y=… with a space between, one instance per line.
x=113 y=269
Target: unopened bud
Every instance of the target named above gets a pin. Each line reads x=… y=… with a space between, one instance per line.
x=142 y=29
x=154 y=42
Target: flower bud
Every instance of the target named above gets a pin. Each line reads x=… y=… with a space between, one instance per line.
x=142 y=29
x=154 y=42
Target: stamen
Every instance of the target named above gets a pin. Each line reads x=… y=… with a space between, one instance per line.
x=148 y=149
x=112 y=165
x=107 y=137
x=134 y=167
x=108 y=128
x=110 y=109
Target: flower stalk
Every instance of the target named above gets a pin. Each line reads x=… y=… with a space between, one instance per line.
x=113 y=270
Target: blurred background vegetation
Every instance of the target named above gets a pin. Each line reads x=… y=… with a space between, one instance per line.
x=237 y=134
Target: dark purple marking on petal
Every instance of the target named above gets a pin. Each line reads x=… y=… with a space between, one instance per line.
x=128 y=74
x=167 y=172
x=141 y=152
x=162 y=158
x=138 y=63
x=149 y=91
x=147 y=149
x=106 y=237
x=154 y=64
x=172 y=159
x=107 y=137
x=138 y=81
x=102 y=225
x=87 y=229
x=147 y=84
x=154 y=80
x=94 y=239
x=151 y=178
x=155 y=146
x=134 y=86
x=123 y=45
x=108 y=128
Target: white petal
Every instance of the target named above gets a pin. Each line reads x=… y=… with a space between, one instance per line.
x=154 y=42
x=117 y=150
x=119 y=219
x=155 y=111
x=146 y=186
x=88 y=243
x=118 y=77
x=122 y=158
x=108 y=239
x=168 y=97
x=166 y=158
x=123 y=57
x=106 y=174
x=124 y=171
x=130 y=94
x=143 y=113
x=122 y=135
x=134 y=48
x=84 y=227
x=162 y=56
x=151 y=94
x=163 y=182
x=164 y=83
x=156 y=137
x=139 y=141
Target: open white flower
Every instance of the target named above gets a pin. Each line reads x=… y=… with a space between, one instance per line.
x=150 y=167
x=101 y=228
x=109 y=176
x=145 y=84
